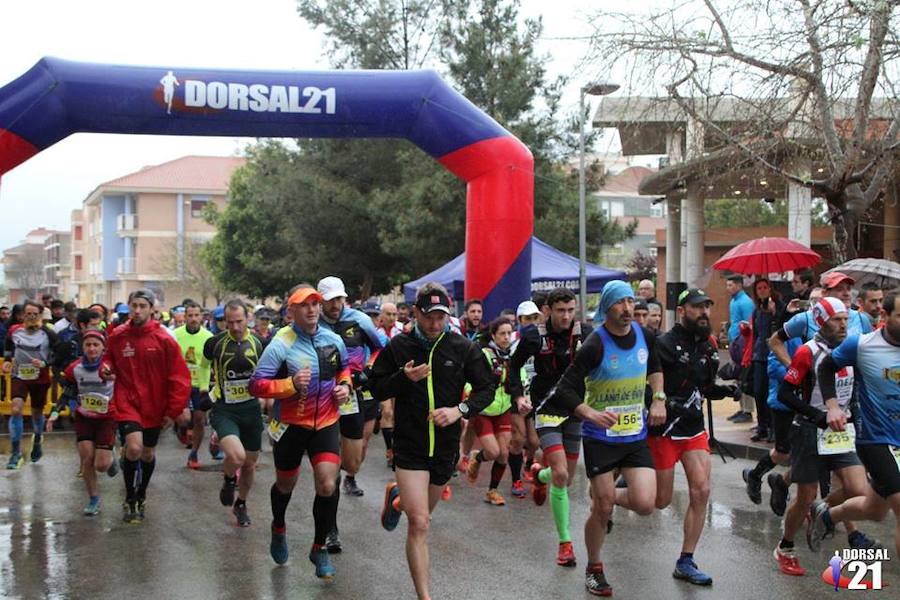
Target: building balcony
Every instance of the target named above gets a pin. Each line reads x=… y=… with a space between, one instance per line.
x=126 y=225
x=126 y=266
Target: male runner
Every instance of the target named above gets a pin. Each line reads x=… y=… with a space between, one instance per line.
x=192 y=337
x=152 y=389
x=875 y=358
x=390 y=326
x=553 y=345
x=305 y=369
x=236 y=415
x=357 y=420
x=605 y=387
x=27 y=352
x=426 y=371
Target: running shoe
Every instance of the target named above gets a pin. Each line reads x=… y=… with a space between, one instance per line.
x=141 y=508
x=131 y=514
x=446 y=493
x=226 y=494
x=754 y=485
x=735 y=415
x=472 y=470
x=686 y=570
x=527 y=477
x=333 y=541
x=390 y=516
x=779 y=498
x=860 y=540
x=816 y=528
x=595 y=581
x=538 y=489
x=182 y=436
x=37 y=451
x=518 y=489
x=463 y=465
x=324 y=568
x=113 y=469
x=351 y=488
x=495 y=498
x=240 y=513
x=16 y=460
x=278 y=547
x=93 y=507
x=787 y=561
x=193 y=461
x=566 y=555
x=214 y=450
x=744 y=417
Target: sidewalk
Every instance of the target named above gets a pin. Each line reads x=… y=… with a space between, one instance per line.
x=735 y=436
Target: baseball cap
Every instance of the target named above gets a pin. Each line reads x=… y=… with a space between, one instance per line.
x=527 y=308
x=122 y=308
x=331 y=288
x=435 y=300
x=371 y=308
x=827 y=308
x=693 y=296
x=305 y=293
x=144 y=293
x=218 y=313
x=640 y=305
x=835 y=278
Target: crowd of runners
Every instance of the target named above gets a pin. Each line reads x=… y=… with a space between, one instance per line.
x=529 y=393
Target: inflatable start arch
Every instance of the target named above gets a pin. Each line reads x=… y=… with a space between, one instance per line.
x=57 y=98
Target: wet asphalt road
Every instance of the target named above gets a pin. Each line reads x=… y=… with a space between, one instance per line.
x=188 y=546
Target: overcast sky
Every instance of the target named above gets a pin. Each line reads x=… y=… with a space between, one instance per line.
x=264 y=34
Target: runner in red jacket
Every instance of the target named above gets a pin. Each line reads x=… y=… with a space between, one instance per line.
x=152 y=389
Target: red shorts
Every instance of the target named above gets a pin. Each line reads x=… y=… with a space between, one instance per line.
x=100 y=431
x=29 y=389
x=666 y=451
x=485 y=425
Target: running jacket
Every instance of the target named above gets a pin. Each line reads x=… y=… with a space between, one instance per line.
x=291 y=350
x=152 y=379
x=454 y=361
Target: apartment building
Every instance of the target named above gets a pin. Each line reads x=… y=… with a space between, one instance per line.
x=142 y=230
x=620 y=201
x=57 y=258
x=23 y=266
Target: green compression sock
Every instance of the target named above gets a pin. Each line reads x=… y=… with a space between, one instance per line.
x=559 y=503
x=544 y=475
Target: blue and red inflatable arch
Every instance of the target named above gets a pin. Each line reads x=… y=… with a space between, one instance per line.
x=57 y=98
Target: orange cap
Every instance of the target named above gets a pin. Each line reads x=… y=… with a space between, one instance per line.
x=304 y=294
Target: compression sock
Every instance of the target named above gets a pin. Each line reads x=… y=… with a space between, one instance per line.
x=497 y=471
x=129 y=474
x=544 y=475
x=388 y=434
x=559 y=503
x=146 y=472
x=324 y=516
x=279 y=506
x=16 y=427
x=764 y=465
x=37 y=426
x=515 y=466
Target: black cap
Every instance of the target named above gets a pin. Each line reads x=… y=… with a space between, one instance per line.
x=693 y=296
x=640 y=305
x=434 y=300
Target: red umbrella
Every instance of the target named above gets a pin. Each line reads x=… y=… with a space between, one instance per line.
x=767 y=255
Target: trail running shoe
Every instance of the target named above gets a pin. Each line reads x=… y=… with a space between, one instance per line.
x=686 y=570
x=754 y=485
x=333 y=542
x=93 y=507
x=595 y=581
x=787 y=561
x=37 y=451
x=226 y=494
x=390 y=516
x=518 y=489
x=779 y=498
x=351 y=488
x=324 y=568
x=538 y=489
x=240 y=513
x=495 y=498
x=278 y=547
x=16 y=460
x=816 y=528
x=565 y=557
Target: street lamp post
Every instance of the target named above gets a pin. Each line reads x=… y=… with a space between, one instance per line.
x=594 y=89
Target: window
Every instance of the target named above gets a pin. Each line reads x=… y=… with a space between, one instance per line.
x=198 y=203
x=658 y=210
x=77 y=262
x=78 y=233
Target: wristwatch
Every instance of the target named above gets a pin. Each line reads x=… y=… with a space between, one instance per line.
x=659 y=396
x=463 y=408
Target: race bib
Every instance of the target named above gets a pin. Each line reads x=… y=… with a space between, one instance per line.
x=631 y=420
x=236 y=391
x=28 y=372
x=837 y=442
x=276 y=429
x=542 y=421
x=350 y=406
x=95 y=403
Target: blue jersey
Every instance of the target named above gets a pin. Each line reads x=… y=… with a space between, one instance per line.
x=740 y=308
x=877 y=366
x=804 y=326
x=618 y=384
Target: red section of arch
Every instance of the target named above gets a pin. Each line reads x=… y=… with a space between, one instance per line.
x=13 y=150
x=499 y=208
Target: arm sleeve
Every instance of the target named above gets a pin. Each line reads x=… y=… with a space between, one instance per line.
x=179 y=378
x=569 y=392
x=479 y=376
x=387 y=379
x=791 y=396
x=209 y=347
x=528 y=346
x=264 y=382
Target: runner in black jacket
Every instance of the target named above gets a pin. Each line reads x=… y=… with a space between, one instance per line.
x=425 y=371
